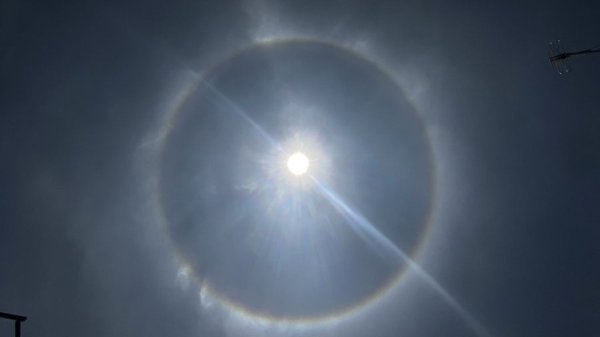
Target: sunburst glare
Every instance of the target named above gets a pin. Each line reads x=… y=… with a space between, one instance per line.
x=298 y=163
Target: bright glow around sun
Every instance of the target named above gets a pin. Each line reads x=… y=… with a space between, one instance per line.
x=298 y=163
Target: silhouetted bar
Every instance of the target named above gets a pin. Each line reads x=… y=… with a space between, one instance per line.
x=13 y=317
x=17 y=328
x=18 y=319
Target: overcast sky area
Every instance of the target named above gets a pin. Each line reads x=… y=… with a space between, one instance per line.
x=453 y=187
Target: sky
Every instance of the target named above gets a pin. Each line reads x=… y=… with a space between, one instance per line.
x=452 y=187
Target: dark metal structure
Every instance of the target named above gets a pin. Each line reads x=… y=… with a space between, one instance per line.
x=558 y=57
x=18 y=319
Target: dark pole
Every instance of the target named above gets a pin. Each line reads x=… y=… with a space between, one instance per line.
x=18 y=319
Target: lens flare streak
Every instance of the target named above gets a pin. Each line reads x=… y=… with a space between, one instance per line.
x=364 y=229
x=240 y=112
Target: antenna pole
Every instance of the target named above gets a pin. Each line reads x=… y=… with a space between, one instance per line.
x=17 y=328
x=558 y=57
x=587 y=51
x=18 y=319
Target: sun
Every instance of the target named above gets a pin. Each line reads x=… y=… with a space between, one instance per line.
x=298 y=163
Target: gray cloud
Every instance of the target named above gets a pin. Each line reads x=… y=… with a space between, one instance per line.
x=84 y=86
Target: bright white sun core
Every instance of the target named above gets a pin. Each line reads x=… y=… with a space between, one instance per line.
x=298 y=163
